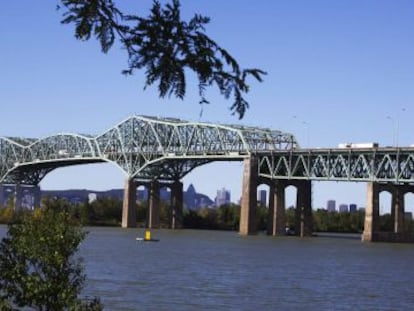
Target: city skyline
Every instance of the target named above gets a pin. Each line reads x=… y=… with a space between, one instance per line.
x=223 y=196
x=338 y=72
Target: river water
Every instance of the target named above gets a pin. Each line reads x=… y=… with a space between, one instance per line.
x=213 y=270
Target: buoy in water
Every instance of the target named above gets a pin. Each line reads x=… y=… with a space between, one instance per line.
x=147 y=237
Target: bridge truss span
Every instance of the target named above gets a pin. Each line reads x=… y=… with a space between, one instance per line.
x=142 y=146
x=394 y=165
x=61 y=146
x=33 y=159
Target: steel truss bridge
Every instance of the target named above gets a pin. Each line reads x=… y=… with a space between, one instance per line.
x=168 y=149
x=150 y=149
x=392 y=165
x=143 y=147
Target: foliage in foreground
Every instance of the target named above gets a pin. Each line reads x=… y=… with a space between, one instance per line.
x=38 y=266
x=165 y=47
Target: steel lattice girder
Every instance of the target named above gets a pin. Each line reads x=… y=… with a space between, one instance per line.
x=394 y=165
x=140 y=142
x=140 y=146
x=11 y=153
x=34 y=158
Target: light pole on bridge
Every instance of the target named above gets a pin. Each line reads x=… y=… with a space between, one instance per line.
x=305 y=125
x=395 y=128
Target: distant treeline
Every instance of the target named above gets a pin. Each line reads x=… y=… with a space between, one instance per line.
x=108 y=212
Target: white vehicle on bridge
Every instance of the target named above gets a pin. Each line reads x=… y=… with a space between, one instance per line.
x=358 y=145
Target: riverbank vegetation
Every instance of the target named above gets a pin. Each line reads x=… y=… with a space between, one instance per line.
x=39 y=268
x=108 y=212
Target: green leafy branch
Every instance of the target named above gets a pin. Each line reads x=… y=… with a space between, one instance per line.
x=164 y=46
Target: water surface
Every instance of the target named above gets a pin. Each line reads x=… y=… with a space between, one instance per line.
x=213 y=270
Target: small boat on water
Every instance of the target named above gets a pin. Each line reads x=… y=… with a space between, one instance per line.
x=147 y=237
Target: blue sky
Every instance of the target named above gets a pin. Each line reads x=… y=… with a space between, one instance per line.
x=336 y=71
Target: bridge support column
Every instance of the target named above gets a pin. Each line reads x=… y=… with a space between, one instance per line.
x=176 y=210
x=37 y=196
x=398 y=210
x=249 y=197
x=277 y=213
x=18 y=192
x=153 y=214
x=371 y=212
x=303 y=213
x=2 y=196
x=271 y=211
x=129 y=214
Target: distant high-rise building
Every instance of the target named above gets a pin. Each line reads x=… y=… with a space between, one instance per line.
x=190 y=199
x=343 y=208
x=262 y=197
x=352 y=208
x=228 y=196
x=331 y=206
x=223 y=197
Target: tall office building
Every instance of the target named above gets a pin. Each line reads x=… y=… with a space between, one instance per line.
x=352 y=208
x=262 y=197
x=343 y=208
x=190 y=198
x=331 y=206
x=223 y=197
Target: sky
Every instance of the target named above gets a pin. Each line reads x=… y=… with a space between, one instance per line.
x=338 y=71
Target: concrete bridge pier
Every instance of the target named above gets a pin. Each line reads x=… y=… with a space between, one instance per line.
x=397 y=210
x=277 y=207
x=371 y=225
x=271 y=211
x=176 y=211
x=276 y=224
x=153 y=214
x=303 y=212
x=371 y=212
x=18 y=193
x=249 y=197
x=37 y=196
x=2 y=196
x=129 y=214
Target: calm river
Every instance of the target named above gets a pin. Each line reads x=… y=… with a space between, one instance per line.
x=212 y=270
